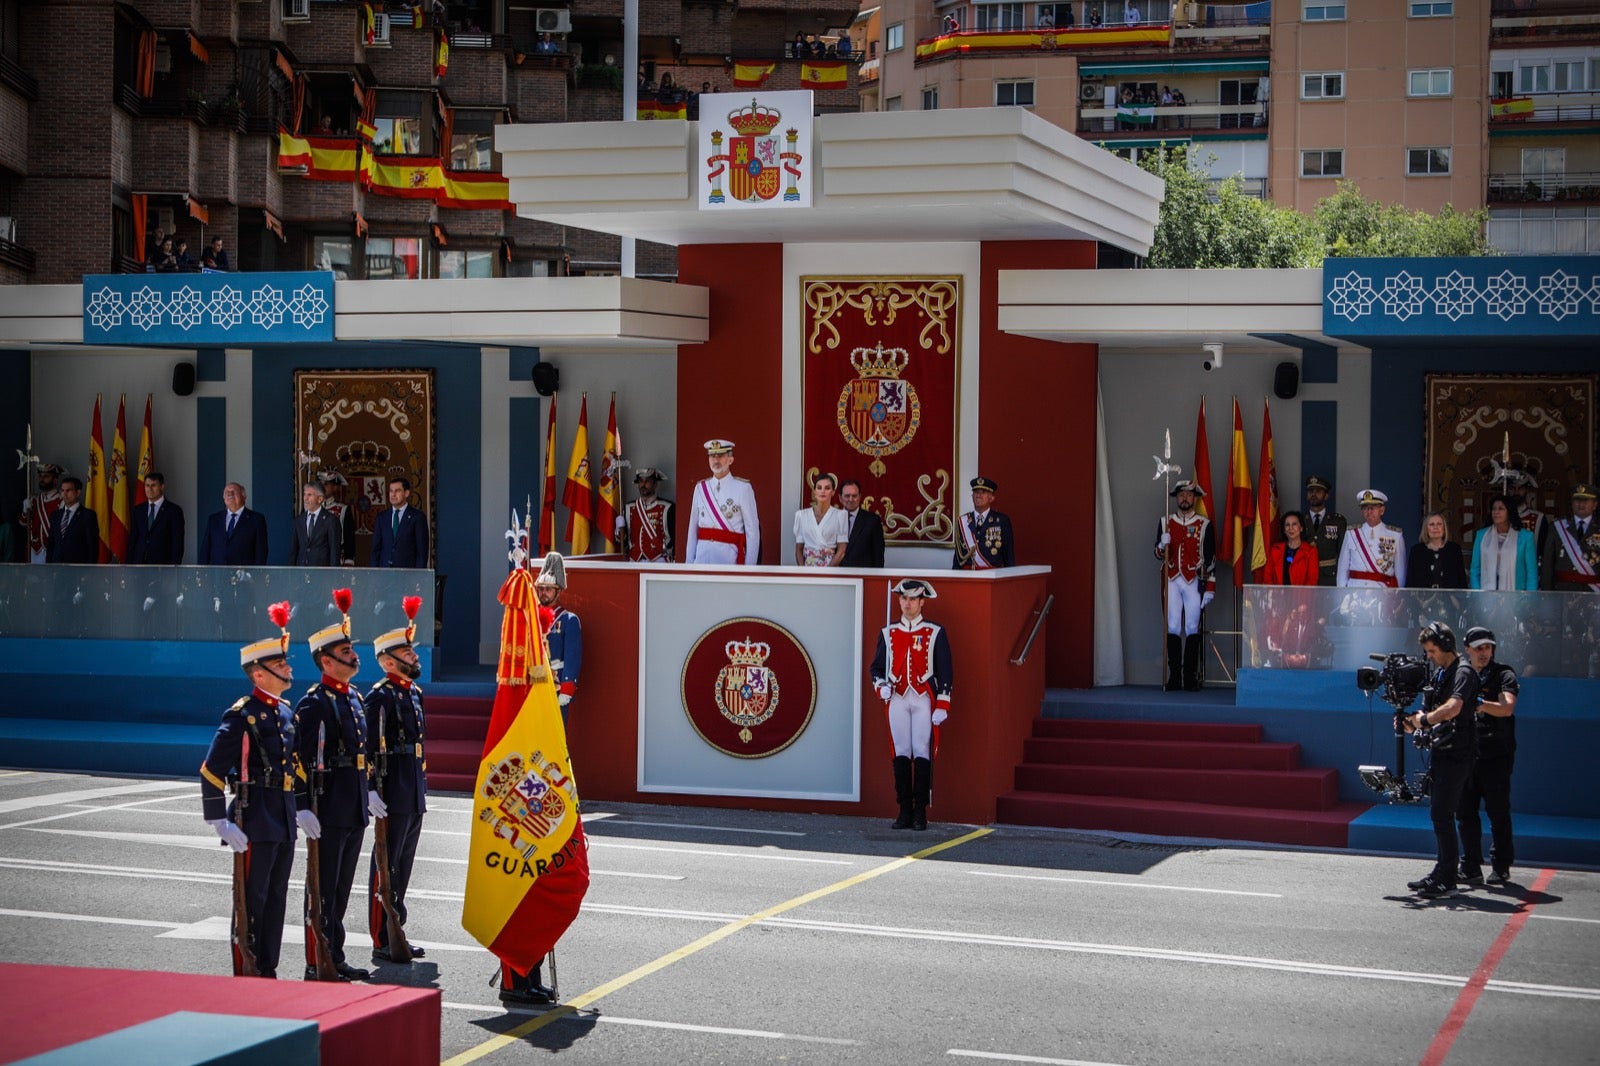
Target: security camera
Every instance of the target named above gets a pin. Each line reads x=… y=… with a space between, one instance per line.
x=1213 y=358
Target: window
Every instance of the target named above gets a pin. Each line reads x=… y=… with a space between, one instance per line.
x=1013 y=94
x=394 y=257
x=1000 y=17
x=334 y=253
x=1544 y=171
x=1428 y=82
x=1533 y=79
x=1427 y=161
x=1322 y=163
x=1545 y=230
x=1429 y=9
x=1321 y=86
x=930 y=98
x=466 y=263
x=405 y=123
x=894 y=38
x=1569 y=75
x=472 y=140
x=894 y=103
x=1323 y=13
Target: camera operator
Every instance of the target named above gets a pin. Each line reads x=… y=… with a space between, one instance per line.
x=1490 y=783
x=1448 y=710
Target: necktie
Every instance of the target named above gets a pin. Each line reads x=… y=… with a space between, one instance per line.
x=850 y=523
x=311 y=521
x=1316 y=527
x=395 y=529
x=233 y=520
x=152 y=514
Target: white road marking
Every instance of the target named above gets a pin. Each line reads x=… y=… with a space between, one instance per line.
x=16 y=773
x=998 y=1057
x=190 y=840
x=1124 y=884
x=98 y=919
x=1564 y=918
x=707 y=828
x=134 y=804
x=686 y=1027
x=57 y=799
x=720 y=854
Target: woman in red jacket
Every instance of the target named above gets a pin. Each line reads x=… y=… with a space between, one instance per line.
x=1291 y=561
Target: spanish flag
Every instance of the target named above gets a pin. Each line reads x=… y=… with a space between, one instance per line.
x=578 y=496
x=830 y=74
x=441 y=53
x=1512 y=107
x=119 y=526
x=147 y=455
x=367 y=130
x=407 y=177
x=1241 y=506
x=1202 y=464
x=547 y=513
x=369 y=24
x=475 y=190
x=610 y=507
x=97 y=495
x=324 y=158
x=748 y=75
x=528 y=867
x=1266 y=499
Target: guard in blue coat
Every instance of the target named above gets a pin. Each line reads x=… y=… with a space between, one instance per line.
x=333 y=710
x=400 y=534
x=983 y=535
x=396 y=727
x=260 y=725
x=565 y=638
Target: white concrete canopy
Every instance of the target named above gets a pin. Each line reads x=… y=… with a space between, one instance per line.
x=968 y=174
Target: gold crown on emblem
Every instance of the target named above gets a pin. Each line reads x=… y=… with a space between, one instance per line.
x=747 y=652
x=880 y=362
x=755 y=120
x=362 y=452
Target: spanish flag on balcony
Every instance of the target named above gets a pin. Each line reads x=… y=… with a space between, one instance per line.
x=649 y=110
x=752 y=75
x=441 y=53
x=367 y=130
x=1517 y=108
x=412 y=179
x=475 y=191
x=369 y=24
x=828 y=74
x=324 y=158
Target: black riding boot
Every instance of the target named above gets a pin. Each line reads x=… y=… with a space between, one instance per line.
x=921 y=789
x=902 y=791
x=1191 y=663
x=524 y=989
x=1174 y=662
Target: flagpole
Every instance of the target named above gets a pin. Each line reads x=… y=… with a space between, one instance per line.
x=1164 y=468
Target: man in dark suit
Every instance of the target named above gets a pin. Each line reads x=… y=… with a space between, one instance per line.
x=74 y=530
x=235 y=535
x=400 y=534
x=316 y=532
x=157 y=527
x=865 y=546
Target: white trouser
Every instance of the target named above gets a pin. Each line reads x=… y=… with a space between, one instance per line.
x=1183 y=606
x=911 y=723
x=715 y=552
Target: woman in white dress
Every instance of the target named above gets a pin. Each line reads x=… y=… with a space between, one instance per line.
x=821 y=530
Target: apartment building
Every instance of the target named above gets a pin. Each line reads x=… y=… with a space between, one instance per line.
x=1422 y=102
x=336 y=134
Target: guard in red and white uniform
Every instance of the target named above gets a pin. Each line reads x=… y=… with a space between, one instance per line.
x=647 y=523
x=912 y=674
x=1187 y=549
x=39 y=510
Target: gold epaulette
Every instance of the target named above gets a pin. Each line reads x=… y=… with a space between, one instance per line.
x=240 y=704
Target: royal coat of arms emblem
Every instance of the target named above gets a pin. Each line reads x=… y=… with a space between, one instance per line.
x=753 y=157
x=879 y=411
x=747 y=689
x=527 y=800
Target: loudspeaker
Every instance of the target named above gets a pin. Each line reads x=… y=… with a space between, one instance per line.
x=1287 y=381
x=183 y=379
x=546 y=378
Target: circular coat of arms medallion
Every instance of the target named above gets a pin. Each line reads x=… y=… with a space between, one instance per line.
x=748 y=687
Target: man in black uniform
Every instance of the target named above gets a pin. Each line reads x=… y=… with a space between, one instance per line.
x=394 y=747
x=1490 y=783
x=1452 y=703
x=268 y=834
x=1324 y=529
x=983 y=535
x=330 y=723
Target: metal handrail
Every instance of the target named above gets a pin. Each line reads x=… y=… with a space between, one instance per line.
x=1038 y=621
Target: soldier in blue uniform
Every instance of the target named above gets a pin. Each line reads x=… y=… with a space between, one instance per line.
x=335 y=708
x=259 y=722
x=983 y=535
x=395 y=727
x=565 y=638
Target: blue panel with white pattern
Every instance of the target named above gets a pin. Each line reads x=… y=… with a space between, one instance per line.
x=278 y=307
x=1492 y=296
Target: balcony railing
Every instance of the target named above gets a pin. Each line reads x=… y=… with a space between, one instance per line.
x=13 y=254
x=1144 y=119
x=1545 y=107
x=18 y=79
x=1544 y=188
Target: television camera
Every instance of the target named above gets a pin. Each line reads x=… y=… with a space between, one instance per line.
x=1399 y=682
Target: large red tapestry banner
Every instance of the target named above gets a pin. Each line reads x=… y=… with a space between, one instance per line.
x=881 y=360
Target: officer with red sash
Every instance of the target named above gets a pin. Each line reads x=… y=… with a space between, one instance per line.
x=1373 y=554
x=912 y=673
x=723 y=525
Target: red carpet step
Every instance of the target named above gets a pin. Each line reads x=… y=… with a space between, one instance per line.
x=1174 y=779
x=456 y=728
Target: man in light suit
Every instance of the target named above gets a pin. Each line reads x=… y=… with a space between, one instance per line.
x=400 y=534
x=74 y=529
x=316 y=532
x=865 y=546
x=157 y=527
x=235 y=535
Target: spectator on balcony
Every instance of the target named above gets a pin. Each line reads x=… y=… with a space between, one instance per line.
x=1067 y=18
x=668 y=88
x=815 y=46
x=546 y=45
x=1435 y=560
x=843 y=45
x=184 y=259
x=645 y=84
x=216 y=256
x=1130 y=14
x=154 y=247
x=952 y=24
x=798 y=49
x=1047 y=21
x=1503 y=555
x=164 y=261
x=1179 y=101
x=1166 y=101
x=1094 y=18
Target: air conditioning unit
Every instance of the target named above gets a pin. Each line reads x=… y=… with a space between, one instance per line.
x=553 y=19
x=380 y=29
x=297 y=10
x=1089 y=92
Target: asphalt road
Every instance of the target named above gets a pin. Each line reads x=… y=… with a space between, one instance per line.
x=739 y=937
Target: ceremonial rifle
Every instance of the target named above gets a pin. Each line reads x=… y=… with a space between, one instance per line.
x=399 y=947
x=326 y=970
x=241 y=871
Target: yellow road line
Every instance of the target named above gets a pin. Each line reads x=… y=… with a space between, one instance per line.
x=572 y=1006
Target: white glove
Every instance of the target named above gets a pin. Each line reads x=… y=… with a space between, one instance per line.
x=231 y=834
x=375 y=805
x=563 y=699
x=940 y=715
x=1205 y=600
x=307 y=821
x=884 y=692
x=1166 y=538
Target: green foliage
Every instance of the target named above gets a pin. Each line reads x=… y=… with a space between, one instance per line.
x=1206 y=226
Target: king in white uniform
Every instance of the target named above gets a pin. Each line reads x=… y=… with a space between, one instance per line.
x=723 y=526
x=1373 y=555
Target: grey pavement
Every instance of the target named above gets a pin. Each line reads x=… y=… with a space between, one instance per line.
x=1017 y=945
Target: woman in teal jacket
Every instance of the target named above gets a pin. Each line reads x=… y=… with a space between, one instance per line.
x=1502 y=554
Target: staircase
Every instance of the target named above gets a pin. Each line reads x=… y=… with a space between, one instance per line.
x=1191 y=779
x=457 y=725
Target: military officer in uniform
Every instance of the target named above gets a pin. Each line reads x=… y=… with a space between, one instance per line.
x=330 y=723
x=646 y=525
x=1373 y=555
x=333 y=488
x=723 y=526
x=1187 y=549
x=912 y=672
x=565 y=635
x=1324 y=529
x=983 y=535
x=258 y=727
x=39 y=511
x=1573 y=555
x=395 y=729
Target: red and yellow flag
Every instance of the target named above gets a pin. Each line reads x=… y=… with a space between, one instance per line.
x=528 y=869
x=610 y=505
x=748 y=75
x=547 y=513
x=441 y=53
x=97 y=496
x=1241 y=507
x=824 y=74
x=1266 y=498
x=578 y=496
x=651 y=110
x=1202 y=464
x=147 y=456
x=325 y=158
x=117 y=474
x=407 y=177
x=475 y=190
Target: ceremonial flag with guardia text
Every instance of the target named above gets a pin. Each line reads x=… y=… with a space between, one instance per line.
x=1241 y=507
x=1202 y=464
x=1266 y=498
x=610 y=503
x=578 y=496
x=147 y=456
x=117 y=475
x=547 y=512
x=97 y=496
x=528 y=867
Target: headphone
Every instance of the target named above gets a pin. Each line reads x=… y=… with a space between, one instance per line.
x=1440 y=634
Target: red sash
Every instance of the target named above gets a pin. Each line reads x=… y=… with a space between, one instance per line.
x=724 y=536
x=1387 y=580
x=975 y=558
x=1583 y=574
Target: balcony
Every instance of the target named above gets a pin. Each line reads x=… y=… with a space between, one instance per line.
x=1571 y=188
x=1001 y=42
x=1147 y=120
x=1543 y=107
x=1512 y=20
